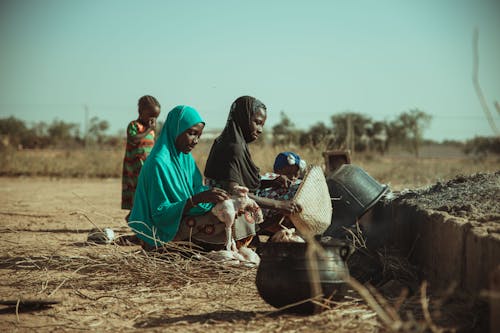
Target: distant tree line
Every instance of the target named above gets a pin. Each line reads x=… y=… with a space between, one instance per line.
x=347 y=130
x=482 y=146
x=359 y=132
x=58 y=134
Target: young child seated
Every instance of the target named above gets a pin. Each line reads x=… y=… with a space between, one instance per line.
x=282 y=184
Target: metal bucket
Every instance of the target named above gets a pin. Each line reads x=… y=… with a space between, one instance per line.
x=283 y=277
x=353 y=193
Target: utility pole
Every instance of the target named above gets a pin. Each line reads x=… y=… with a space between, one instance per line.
x=350 y=135
x=86 y=125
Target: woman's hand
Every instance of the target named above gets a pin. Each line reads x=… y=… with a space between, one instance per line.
x=288 y=207
x=213 y=195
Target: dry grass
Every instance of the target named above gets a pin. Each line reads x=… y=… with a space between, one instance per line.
x=114 y=288
x=122 y=280
x=397 y=169
x=118 y=288
x=61 y=163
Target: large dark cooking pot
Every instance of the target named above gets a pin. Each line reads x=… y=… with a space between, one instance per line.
x=283 y=278
x=353 y=192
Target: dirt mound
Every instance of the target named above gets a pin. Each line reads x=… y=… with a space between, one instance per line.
x=474 y=197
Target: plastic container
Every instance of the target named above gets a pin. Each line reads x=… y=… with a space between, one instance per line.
x=353 y=193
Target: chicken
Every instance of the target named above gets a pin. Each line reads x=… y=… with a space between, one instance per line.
x=287 y=236
x=229 y=209
x=244 y=256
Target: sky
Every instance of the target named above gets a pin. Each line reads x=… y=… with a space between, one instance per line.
x=310 y=59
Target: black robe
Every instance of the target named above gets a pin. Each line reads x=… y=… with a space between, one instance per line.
x=229 y=159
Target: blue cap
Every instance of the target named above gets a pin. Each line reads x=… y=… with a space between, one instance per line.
x=288 y=158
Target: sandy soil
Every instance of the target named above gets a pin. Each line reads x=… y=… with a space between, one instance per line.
x=44 y=225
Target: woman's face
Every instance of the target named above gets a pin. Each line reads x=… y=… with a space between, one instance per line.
x=187 y=140
x=257 y=122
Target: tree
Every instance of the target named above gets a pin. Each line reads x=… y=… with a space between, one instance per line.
x=410 y=126
x=378 y=136
x=482 y=146
x=343 y=136
x=284 y=132
x=12 y=131
x=36 y=136
x=12 y=126
x=396 y=133
x=60 y=132
x=316 y=135
x=97 y=129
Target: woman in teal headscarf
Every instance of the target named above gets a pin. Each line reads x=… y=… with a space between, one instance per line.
x=171 y=202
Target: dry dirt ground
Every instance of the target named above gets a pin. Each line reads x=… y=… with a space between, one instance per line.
x=44 y=256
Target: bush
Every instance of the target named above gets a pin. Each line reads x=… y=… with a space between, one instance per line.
x=482 y=146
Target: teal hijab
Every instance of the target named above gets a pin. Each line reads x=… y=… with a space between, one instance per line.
x=167 y=180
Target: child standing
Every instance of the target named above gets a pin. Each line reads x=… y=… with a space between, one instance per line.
x=140 y=141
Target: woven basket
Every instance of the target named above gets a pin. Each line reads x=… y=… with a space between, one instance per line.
x=313 y=196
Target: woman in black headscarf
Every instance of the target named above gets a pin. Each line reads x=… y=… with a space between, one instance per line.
x=230 y=164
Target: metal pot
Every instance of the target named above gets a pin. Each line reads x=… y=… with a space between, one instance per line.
x=283 y=277
x=353 y=192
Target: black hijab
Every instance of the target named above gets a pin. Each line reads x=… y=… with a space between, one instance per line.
x=229 y=159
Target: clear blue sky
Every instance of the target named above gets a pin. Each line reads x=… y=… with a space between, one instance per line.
x=309 y=58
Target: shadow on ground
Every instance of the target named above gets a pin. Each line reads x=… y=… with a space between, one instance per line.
x=212 y=317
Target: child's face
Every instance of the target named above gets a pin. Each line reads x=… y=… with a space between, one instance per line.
x=149 y=114
x=187 y=140
x=290 y=171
